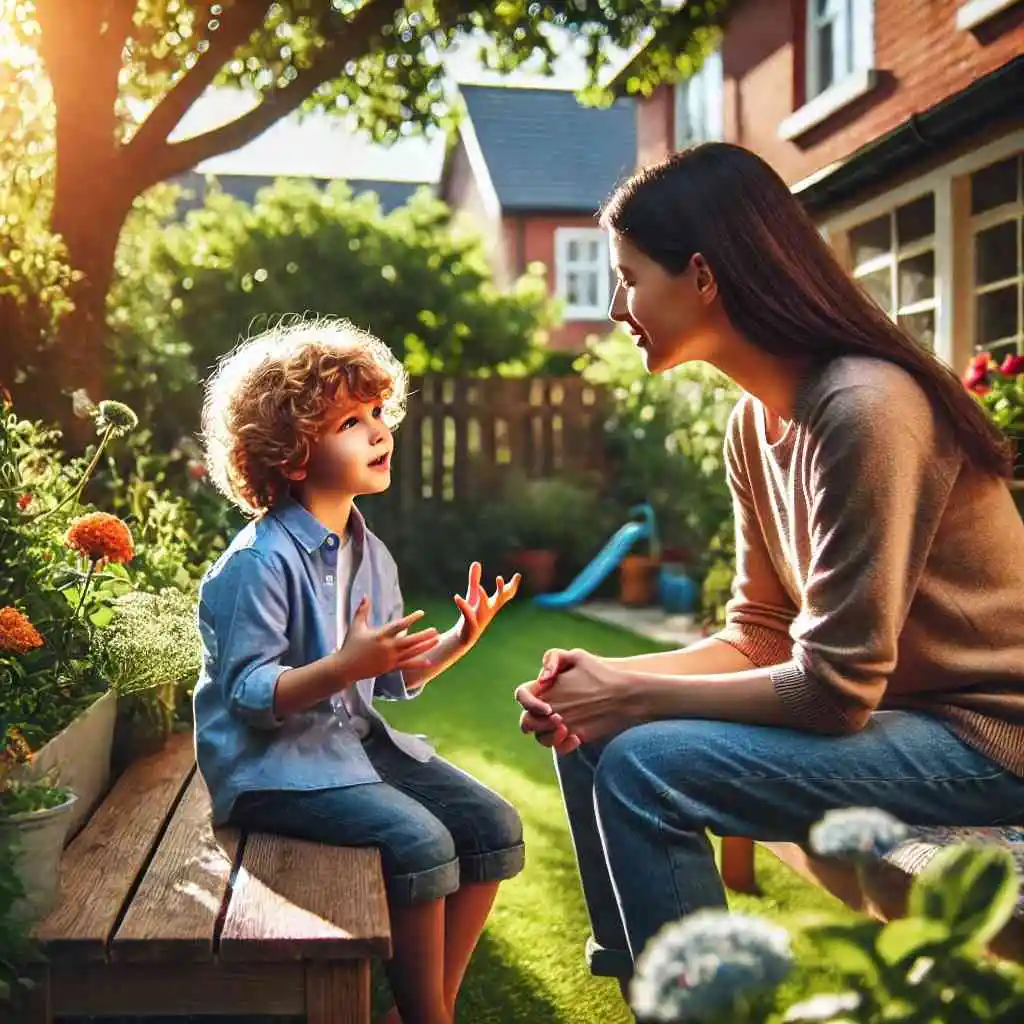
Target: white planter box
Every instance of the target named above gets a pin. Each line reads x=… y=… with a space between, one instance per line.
x=81 y=755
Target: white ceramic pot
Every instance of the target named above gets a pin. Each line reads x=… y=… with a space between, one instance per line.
x=38 y=838
x=80 y=758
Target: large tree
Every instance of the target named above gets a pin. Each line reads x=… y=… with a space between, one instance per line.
x=378 y=61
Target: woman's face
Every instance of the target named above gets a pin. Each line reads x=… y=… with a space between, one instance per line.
x=668 y=314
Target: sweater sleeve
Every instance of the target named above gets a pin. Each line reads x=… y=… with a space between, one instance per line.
x=878 y=474
x=759 y=615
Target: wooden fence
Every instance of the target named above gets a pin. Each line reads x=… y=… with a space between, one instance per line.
x=465 y=438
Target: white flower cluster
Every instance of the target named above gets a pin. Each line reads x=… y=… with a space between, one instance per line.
x=151 y=640
x=857 y=834
x=706 y=964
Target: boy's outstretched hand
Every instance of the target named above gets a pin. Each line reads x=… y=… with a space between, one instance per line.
x=477 y=608
x=370 y=651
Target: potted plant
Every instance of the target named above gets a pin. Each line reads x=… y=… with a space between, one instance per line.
x=35 y=817
x=999 y=389
x=150 y=653
x=64 y=569
x=549 y=520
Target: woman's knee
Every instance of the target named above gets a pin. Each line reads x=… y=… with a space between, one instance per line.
x=646 y=764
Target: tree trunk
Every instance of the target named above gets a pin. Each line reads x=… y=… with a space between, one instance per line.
x=81 y=45
x=89 y=210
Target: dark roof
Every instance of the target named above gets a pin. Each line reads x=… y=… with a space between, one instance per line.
x=545 y=151
x=391 y=194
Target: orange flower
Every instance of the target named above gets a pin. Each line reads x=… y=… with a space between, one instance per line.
x=101 y=536
x=17 y=634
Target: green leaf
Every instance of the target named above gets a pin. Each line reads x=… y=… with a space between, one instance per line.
x=101 y=616
x=849 y=948
x=905 y=940
x=973 y=889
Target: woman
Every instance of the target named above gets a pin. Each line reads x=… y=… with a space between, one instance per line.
x=873 y=652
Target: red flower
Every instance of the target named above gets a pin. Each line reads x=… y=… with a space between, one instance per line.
x=1012 y=365
x=196 y=470
x=24 y=501
x=17 y=634
x=101 y=536
x=976 y=377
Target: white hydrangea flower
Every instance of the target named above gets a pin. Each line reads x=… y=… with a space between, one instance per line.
x=858 y=834
x=706 y=964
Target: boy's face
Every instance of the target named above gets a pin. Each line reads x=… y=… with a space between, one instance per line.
x=353 y=454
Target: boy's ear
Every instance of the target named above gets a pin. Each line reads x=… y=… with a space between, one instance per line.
x=298 y=473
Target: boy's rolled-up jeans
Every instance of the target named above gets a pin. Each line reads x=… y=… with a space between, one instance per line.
x=640 y=803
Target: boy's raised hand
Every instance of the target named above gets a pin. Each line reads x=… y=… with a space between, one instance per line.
x=477 y=608
x=370 y=651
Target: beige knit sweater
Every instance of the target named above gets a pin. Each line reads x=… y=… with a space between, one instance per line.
x=875 y=569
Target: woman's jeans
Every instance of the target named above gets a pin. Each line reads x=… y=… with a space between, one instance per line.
x=638 y=805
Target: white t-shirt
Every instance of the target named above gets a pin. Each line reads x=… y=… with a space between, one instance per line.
x=349 y=698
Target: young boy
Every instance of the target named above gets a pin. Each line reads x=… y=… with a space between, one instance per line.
x=302 y=626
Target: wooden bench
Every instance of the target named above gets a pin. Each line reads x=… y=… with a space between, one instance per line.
x=159 y=915
x=886 y=883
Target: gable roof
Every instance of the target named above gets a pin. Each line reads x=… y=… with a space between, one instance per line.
x=542 y=150
x=391 y=194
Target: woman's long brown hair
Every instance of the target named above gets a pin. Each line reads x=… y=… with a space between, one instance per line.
x=780 y=283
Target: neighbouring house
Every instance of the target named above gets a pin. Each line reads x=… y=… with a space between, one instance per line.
x=531 y=167
x=900 y=125
x=390 y=194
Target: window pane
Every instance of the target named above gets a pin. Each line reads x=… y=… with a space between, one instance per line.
x=916 y=220
x=572 y=288
x=1000 y=352
x=995 y=253
x=572 y=251
x=824 y=54
x=590 y=281
x=995 y=185
x=879 y=286
x=916 y=277
x=921 y=326
x=871 y=239
x=997 y=315
x=593 y=251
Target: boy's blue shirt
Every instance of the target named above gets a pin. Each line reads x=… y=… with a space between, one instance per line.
x=268 y=604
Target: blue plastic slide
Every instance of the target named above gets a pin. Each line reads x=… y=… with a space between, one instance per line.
x=617 y=547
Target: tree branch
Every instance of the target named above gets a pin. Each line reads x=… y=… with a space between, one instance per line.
x=236 y=26
x=177 y=157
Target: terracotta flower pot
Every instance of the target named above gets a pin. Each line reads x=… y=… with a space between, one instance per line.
x=538 y=568
x=638 y=580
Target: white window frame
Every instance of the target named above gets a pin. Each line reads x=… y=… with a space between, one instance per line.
x=972 y=13
x=891 y=260
x=952 y=237
x=563 y=266
x=854 y=76
x=705 y=90
x=1012 y=212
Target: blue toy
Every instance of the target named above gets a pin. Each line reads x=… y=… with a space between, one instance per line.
x=618 y=546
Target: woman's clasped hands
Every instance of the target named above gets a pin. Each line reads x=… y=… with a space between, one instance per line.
x=577 y=698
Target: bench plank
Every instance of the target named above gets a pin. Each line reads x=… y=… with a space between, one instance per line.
x=299 y=900
x=173 y=915
x=102 y=863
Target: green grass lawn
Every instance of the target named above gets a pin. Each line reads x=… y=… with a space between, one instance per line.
x=529 y=967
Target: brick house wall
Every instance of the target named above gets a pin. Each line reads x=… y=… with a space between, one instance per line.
x=921 y=57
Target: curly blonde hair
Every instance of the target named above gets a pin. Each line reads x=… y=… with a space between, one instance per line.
x=268 y=401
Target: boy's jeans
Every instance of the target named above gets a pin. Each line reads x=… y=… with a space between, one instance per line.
x=638 y=805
